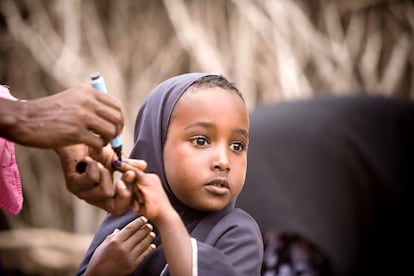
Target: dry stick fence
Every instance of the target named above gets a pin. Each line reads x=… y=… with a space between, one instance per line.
x=273 y=50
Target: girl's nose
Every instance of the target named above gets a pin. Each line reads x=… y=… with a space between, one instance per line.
x=221 y=160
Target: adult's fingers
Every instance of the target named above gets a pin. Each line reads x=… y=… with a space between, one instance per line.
x=109 y=100
x=102 y=188
x=121 y=202
x=89 y=138
x=104 y=129
x=105 y=114
x=104 y=155
x=131 y=165
x=91 y=169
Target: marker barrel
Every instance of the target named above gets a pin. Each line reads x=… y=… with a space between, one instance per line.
x=98 y=82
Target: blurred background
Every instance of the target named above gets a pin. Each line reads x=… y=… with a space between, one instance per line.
x=273 y=50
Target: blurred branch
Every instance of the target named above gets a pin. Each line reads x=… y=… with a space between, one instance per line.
x=192 y=37
x=43 y=42
x=369 y=61
x=101 y=53
x=355 y=5
x=293 y=82
x=71 y=13
x=396 y=65
x=244 y=57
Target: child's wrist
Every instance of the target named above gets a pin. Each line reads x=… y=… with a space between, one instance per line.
x=168 y=218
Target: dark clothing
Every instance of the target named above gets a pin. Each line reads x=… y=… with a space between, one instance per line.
x=228 y=242
x=339 y=171
x=231 y=246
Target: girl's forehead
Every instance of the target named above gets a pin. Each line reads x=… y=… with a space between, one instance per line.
x=205 y=93
x=211 y=101
x=208 y=97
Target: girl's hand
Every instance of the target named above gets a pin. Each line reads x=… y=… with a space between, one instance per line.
x=150 y=198
x=152 y=201
x=123 y=250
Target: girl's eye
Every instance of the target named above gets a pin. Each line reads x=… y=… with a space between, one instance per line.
x=199 y=141
x=237 y=146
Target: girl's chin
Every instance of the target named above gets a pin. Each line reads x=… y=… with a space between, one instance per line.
x=212 y=207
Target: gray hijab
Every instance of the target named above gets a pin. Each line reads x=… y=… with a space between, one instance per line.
x=151 y=130
x=149 y=137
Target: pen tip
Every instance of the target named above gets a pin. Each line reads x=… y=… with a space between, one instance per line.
x=94 y=75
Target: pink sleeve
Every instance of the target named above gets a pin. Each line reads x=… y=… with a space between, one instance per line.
x=11 y=196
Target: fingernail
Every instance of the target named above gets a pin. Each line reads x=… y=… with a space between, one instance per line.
x=144 y=219
x=149 y=226
x=117 y=163
x=122 y=186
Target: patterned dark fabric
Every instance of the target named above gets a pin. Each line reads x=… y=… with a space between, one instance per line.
x=290 y=254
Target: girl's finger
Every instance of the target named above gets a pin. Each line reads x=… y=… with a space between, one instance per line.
x=132 y=227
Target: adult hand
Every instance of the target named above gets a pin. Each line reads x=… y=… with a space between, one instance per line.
x=77 y=115
x=122 y=251
x=89 y=175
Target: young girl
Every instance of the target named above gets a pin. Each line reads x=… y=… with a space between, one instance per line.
x=192 y=131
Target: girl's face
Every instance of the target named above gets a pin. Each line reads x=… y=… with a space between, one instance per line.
x=205 y=153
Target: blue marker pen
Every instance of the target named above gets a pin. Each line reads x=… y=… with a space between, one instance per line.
x=97 y=82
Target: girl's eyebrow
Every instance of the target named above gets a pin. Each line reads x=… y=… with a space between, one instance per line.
x=200 y=124
x=207 y=125
x=243 y=132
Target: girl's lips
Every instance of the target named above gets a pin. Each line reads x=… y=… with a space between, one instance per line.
x=219 y=186
x=219 y=182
